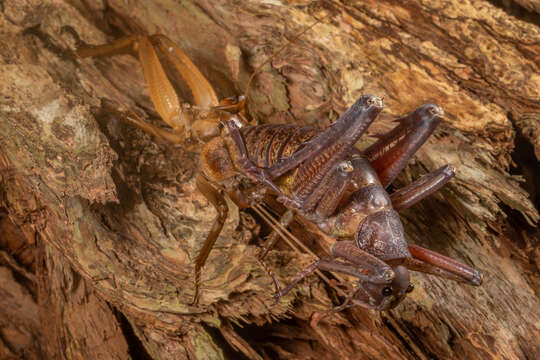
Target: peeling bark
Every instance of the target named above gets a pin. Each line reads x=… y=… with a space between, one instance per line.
x=100 y=223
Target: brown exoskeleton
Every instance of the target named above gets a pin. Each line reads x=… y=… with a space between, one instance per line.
x=318 y=174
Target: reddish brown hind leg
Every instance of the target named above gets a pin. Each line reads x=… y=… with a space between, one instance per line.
x=215 y=197
x=392 y=151
x=346 y=131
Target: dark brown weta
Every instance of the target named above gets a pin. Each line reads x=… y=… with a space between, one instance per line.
x=318 y=174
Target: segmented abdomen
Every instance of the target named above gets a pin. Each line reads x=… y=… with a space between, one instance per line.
x=268 y=143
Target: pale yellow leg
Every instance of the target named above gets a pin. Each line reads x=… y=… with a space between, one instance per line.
x=162 y=93
x=204 y=95
x=133 y=119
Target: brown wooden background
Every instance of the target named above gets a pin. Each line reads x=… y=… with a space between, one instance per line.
x=99 y=223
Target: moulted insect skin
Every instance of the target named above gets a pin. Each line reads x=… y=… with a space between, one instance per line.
x=317 y=174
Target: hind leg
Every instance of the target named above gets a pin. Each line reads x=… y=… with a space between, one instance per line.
x=392 y=151
x=162 y=94
x=316 y=161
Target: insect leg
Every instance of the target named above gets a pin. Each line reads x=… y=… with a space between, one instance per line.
x=333 y=190
x=203 y=93
x=332 y=147
x=317 y=317
x=215 y=197
x=126 y=45
x=430 y=262
x=421 y=188
x=317 y=159
x=392 y=151
x=284 y=221
x=133 y=119
x=363 y=266
x=310 y=269
x=162 y=93
x=204 y=96
x=374 y=269
x=337 y=141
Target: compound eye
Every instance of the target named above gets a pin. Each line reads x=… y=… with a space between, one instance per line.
x=410 y=288
x=387 y=291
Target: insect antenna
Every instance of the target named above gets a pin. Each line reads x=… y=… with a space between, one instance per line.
x=297 y=242
x=263 y=208
x=278 y=228
x=291 y=240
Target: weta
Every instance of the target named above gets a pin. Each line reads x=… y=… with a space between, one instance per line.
x=317 y=174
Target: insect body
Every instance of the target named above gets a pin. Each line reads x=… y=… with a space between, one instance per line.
x=329 y=182
x=318 y=174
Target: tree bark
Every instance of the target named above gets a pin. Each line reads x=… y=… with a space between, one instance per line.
x=100 y=223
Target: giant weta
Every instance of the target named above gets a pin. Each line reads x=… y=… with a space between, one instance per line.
x=319 y=174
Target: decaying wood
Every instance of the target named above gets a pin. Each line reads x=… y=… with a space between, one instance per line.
x=100 y=223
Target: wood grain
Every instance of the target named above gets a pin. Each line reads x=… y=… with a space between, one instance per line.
x=113 y=221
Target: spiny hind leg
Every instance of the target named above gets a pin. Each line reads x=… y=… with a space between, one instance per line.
x=217 y=199
x=316 y=161
x=392 y=151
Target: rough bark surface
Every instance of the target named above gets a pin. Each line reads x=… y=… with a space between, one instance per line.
x=100 y=223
